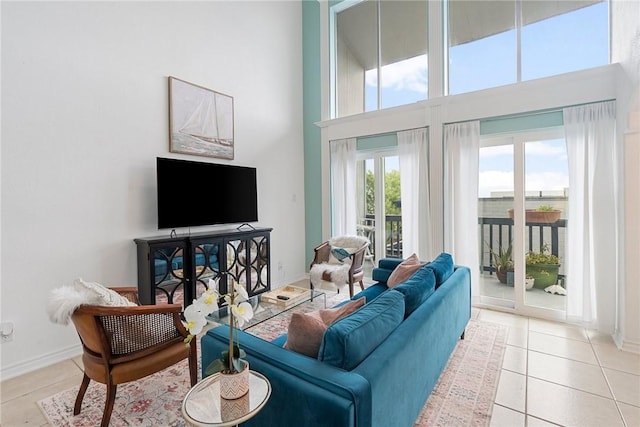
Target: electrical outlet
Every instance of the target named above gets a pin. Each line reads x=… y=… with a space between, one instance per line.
x=6 y=332
x=280 y=266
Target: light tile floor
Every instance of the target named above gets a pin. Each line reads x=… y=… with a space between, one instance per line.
x=553 y=374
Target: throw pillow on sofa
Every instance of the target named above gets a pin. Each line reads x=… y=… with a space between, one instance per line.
x=351 y=339
x=306 y=329
x=417 y=288
x=442 y=267
x=404 y=270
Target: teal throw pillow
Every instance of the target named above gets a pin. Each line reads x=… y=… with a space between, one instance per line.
x=417 y=288
x=442 y=267
x=351 y=339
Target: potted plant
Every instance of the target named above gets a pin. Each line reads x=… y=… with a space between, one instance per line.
x=529 y=281
x=502 y=262
x=234 y=371
x=543 y=267
x=543 y=214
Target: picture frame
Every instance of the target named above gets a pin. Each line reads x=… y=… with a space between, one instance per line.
x=200 y=121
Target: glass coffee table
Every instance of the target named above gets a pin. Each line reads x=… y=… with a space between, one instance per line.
x=265 y=308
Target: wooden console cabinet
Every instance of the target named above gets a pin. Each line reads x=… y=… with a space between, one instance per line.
x=169 y=266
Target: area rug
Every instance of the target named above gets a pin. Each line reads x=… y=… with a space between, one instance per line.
x=463 y=396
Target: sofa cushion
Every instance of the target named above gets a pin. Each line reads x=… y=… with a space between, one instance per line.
x=389 y=263
x=306 y=329
x=442 y=268
x=404 y=270
x=381 y=275
x=417 y=289
x=351 y=339
x=372 y=292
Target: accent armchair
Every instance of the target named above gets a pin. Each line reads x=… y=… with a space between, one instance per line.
x=339 y=260
x=122 y=344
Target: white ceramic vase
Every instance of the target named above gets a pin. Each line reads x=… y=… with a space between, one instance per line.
x=234 y=386
x=529 y=283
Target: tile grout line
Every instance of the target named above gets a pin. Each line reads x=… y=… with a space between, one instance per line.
x=606 y=379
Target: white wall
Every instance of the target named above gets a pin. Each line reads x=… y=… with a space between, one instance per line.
x=625 y=49
x=84 y=102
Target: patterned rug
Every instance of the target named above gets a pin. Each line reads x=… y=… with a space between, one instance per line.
x=463 y=396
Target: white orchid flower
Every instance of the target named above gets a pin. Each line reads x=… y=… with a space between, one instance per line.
x=194 y=320
x=207 y=301
x=242 y=312
x=212 y=285
x=241 y=292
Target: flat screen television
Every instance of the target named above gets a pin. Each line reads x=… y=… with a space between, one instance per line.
x=197 y=193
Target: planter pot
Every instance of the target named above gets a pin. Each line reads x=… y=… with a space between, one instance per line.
x=502 y=275
x=544 y=274
x=234 y=386
x=529 y=283
x=540 y=217
x=233 y=409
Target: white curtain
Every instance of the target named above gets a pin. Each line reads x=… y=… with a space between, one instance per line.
x=592 y=261
x=462 y=148
x=414 y=193
x=343 y=186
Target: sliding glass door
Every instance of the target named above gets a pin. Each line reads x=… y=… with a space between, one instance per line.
x=522 y=211
x=379 y=205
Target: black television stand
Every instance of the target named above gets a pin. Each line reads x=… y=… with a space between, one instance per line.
x=179 y=267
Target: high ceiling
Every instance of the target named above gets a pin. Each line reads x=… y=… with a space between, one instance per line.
x=403 y=24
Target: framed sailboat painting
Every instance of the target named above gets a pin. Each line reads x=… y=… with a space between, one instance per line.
x=200 y=120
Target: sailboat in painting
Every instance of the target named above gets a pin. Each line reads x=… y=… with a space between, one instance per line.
x=204 y=123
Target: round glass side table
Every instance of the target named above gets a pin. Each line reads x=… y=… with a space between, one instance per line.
x=203 y=406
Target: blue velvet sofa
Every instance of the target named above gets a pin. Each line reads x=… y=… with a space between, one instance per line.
x=375 y=367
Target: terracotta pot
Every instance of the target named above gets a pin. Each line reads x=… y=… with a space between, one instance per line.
x=233 y=386
x=540 y=217
x=502 y=276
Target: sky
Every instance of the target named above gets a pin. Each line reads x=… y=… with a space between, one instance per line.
x=564 y=43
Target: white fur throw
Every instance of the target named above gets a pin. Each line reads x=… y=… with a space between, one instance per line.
x=339 y=273
x=349 y=241
x=63 y=301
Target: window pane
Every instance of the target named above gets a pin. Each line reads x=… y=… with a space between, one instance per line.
x=482 y=45
x=356 y=52
x=403 y=47
x=495 y=200
x=559 y=37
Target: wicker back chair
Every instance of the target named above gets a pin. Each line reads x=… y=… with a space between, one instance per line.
x=355 y=273
x=122 y=344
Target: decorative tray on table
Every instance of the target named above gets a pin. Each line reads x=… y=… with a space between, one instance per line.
x=286 y=295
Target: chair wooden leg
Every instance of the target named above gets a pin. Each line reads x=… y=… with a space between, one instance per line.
x=193 y=363
x=361 y=285
x=350 y=289
x=462 y=336
x=108 y=405
x=81 y=392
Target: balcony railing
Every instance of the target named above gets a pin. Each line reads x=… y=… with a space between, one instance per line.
x=393 y=227
x=497 y=235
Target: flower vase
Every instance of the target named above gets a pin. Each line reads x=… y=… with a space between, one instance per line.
x=234 y=386
x=235 y=408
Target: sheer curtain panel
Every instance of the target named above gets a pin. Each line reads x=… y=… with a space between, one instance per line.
x=413 y=149
x=592 y=226
x=343 y=187
x=462 y=148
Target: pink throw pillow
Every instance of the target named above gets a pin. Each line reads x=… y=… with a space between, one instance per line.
x=307 y=329
x=404 y=270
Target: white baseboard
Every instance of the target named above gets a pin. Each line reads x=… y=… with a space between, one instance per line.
x=630 y=346
x=27 y=366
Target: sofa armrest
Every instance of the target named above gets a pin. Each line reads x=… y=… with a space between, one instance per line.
x=304 y=390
